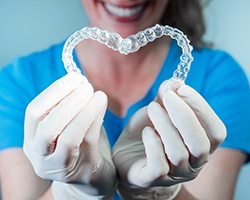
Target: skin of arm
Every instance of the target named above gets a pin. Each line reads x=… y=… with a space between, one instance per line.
x=217 y=179
x=18 y=179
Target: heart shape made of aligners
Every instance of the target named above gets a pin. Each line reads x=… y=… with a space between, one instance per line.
x=129 y=45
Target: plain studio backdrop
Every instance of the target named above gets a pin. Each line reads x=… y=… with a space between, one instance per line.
x=28 y=25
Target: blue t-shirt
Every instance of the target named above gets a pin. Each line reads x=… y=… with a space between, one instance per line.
x=214 y=74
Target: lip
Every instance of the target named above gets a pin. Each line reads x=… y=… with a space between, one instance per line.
x=121 y=13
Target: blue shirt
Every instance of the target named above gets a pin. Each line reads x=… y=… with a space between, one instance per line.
x=214 y=74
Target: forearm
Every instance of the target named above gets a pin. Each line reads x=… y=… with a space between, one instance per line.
x=17 y=177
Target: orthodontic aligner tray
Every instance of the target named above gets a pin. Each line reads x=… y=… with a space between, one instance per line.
x=129 y=45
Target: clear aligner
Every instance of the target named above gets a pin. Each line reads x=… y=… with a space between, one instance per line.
x=130 y=44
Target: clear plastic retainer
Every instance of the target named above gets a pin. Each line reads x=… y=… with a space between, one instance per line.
x=129 y=45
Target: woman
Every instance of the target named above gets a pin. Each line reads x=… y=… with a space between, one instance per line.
x=164 y=143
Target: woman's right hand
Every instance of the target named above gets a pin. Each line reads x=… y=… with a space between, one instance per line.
x=64 y=137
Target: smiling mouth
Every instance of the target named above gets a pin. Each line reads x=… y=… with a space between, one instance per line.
x=125 y=13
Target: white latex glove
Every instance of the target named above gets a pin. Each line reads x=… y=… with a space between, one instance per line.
x=167 y=142
x=64 y=139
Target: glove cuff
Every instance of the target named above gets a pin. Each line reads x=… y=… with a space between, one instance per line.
x=62 y=190
x=153 y=193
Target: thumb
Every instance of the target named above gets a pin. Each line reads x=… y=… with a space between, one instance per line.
x=170 y=84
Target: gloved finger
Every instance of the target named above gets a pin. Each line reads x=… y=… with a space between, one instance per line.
x=137 y=123
x=93 y=132
x=92 y=137
x=74 y=133
x=170 y=84
x=155 y=165
x=156 y=157
x=186 y=122
x=105 y=146
x=95 y=159
x=48 y=99
x=55 y=122
x=175 y=149
x=213 y=126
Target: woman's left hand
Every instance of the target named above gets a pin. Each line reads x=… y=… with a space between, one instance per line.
x=170 y=140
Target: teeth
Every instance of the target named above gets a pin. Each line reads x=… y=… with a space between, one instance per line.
x=123 y=12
